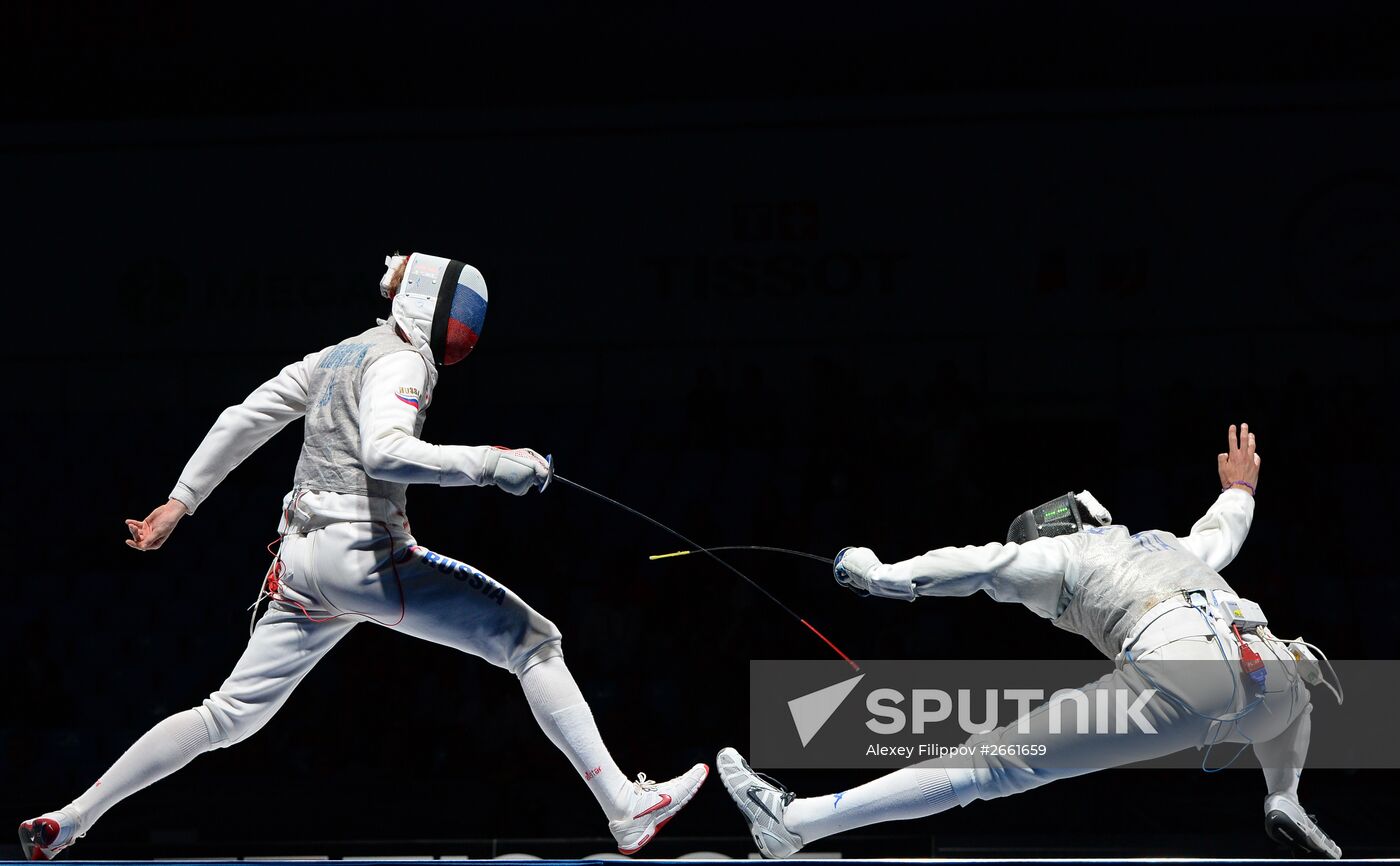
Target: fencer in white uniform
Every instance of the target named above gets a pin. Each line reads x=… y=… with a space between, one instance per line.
x=347 y=554
x=1152 y=602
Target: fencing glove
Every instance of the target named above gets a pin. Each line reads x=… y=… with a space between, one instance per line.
x=516 y=470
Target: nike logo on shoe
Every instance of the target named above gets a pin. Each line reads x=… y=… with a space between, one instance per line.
x=753 y=795
x=665 y=801
x=36 y=836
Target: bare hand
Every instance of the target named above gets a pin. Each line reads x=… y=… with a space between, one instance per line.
x=151 y=533
x=1239 y=465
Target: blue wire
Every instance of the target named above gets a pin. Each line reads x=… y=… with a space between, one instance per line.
x=1234 y=691
x=1226 y=765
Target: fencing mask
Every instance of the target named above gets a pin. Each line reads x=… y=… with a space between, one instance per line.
x=440 y=305
x=1060 y=516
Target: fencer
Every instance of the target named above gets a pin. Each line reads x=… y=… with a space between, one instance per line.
x=347 y=554
x=1152 y=602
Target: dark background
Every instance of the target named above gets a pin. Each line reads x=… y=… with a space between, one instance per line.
x=803 y=275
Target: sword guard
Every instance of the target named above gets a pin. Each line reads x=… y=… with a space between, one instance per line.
x=550 y=477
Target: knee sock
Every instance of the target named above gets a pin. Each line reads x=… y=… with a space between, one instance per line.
x=903 y=794
x=1283 y=757
x=162 y=750
x=565 y=718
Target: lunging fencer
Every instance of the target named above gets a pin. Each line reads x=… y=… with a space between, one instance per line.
x=347 y=554
x=1152 y=602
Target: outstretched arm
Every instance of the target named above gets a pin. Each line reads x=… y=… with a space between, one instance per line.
x=1032 y=574
x=239 y=431
x=1218 y=536
x=393 y=392
x=243 y=429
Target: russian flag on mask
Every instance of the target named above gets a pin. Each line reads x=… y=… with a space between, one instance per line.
x=464 y=322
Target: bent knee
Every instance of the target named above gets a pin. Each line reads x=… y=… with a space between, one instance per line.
x=230 y=721
x=1003 y=780
x=542 y=641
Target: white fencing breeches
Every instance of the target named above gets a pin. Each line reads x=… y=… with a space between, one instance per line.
x=1179 y=654
x=347 y=573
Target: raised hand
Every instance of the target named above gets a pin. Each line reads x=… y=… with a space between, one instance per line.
x=1239 y=465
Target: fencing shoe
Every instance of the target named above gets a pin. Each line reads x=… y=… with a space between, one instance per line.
x=762 y=801
x=43 y=837
x=657 y=803
x=1286 y=822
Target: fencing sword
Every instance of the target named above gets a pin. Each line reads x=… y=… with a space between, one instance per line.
x=695 y=548
x=826 y=559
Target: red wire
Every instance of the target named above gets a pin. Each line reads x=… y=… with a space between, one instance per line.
x=274 y=573
x=828 y=642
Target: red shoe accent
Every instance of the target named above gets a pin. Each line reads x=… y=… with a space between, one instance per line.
x=664 y=821
x=665 y=801
x=41 y=833
x=645 y=839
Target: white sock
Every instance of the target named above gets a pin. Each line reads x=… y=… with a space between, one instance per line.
x=903 y=794
x=1283 y=757
x=162 y=750
x=565 y=718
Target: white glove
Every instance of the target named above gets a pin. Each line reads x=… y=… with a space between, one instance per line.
x=857 y=569
x=852 y=568
x=516 y=470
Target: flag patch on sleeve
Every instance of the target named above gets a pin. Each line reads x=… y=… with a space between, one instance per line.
x=409 y=396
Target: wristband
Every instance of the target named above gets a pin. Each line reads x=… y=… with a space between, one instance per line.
x=1243 y=483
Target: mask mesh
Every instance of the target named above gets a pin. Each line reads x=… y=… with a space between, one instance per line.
x=1059 y=516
